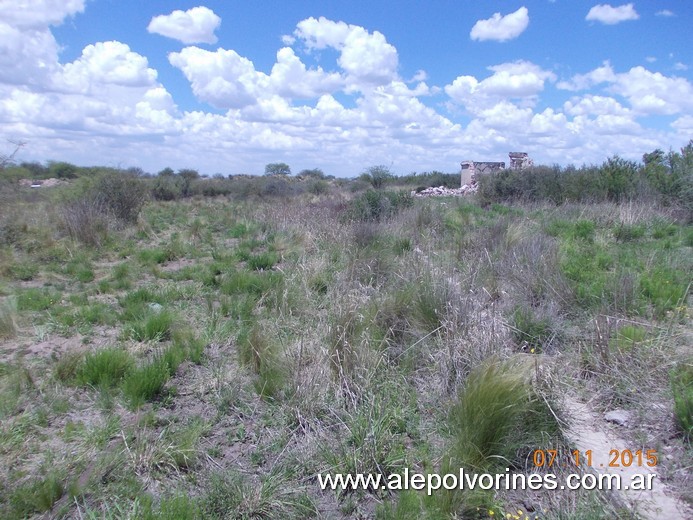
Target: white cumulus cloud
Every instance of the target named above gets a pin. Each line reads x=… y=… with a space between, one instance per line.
x=647 y=92
x=367 y=58
x=501 y=28
x=196 y=25
x=109 y=63
x=515 y=80
x=609 y=15
x=602 y=74
x=32 y=14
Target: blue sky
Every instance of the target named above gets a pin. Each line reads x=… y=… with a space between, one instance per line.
x=226 y=87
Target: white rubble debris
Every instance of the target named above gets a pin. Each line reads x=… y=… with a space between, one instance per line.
x=442 y=191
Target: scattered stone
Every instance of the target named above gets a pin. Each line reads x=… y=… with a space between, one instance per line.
x=620 y=417
x=155 y=307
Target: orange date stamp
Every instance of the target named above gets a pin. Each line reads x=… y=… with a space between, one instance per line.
x=547 y=458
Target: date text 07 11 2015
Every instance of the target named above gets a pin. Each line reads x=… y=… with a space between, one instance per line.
x=547 y=458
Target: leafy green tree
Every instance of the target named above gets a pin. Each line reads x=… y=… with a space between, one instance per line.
x=619 y=177
x=62 y=170
x=187 y=176
x=377 y=175
x=166 y=172
x=277 y=169
x=315 y=173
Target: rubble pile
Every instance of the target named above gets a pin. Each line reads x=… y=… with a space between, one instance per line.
x=45 y=183
x=442 y=191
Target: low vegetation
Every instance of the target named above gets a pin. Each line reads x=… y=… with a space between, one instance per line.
x=175 y=346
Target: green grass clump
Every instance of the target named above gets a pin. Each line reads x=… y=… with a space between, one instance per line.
x=145 y=383
x=37 y=496
x=161 y=255
x=261 y=354
x=688 y=236
x=627 y=233
x=68 y=366
x=664 y=288
x=262 y=261
x=497 y=421
x=104 y=368
x=531 y=330
x=584 y=230
x=682 y=389
x=254 y=283
x=24 y=271
x=239 y=230
x=178 y=507
x=498 y=417
x=8 y=316
x=185 y=346
x=231 y=496
x=154 y=326
x=34 y=299
x=628 y=337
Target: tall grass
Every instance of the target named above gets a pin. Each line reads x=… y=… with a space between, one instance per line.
x=104 y=368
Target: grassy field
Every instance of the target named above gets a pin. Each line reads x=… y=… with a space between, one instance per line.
x=209 y=357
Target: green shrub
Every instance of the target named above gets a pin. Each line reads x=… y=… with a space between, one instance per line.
x=318 y=187
x=682 y=389
x=376 y=205
x=104 y=368
x=378 y=176
x=166 y=188
x=87 y=220
x=123 y=194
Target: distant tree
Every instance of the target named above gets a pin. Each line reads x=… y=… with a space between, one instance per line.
x=377 y=175
x=38 y=170
x=166 y=172
x=315 y=173
x=188 y=173
x=187 y=176
x=277 y=169
x=136 y=171
x=62 y=170
x=655 y=157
